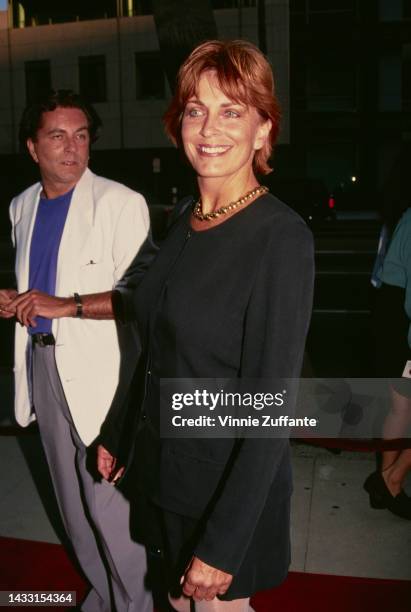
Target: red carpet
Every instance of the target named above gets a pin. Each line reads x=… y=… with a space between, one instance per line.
x=325 y=593
x=28 y=565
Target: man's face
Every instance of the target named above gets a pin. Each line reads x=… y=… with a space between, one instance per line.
x=61 y=149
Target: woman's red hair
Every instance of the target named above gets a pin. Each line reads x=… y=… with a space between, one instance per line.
x=244 y=75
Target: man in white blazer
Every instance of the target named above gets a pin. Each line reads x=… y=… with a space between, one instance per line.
x=76 y=233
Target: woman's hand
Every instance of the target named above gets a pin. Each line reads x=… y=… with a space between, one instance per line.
x=106 y=465
x=202 y=581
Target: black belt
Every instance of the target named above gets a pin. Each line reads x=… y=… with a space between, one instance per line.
x=43 y=339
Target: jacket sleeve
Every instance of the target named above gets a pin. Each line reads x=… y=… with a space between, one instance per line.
x=275 y=330
x=127 y=285
x=133 y=251
x=130 y=280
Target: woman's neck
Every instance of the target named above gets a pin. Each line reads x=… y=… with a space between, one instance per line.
x=218 y=192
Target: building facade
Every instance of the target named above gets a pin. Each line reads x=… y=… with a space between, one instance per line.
x=342 y=68
x=113 y=59
x=350 y=92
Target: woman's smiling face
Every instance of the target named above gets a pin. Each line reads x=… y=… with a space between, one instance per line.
x=220 y=136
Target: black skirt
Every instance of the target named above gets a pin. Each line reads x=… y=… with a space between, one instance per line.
x=266 y=561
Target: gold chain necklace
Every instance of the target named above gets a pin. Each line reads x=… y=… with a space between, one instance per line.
x=198 y=212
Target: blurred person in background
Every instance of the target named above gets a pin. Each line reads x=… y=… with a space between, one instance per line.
x=393 y=359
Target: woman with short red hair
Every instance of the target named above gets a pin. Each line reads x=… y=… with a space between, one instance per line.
x=229 y=297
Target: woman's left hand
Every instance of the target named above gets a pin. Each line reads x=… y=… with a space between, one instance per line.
x=107 y=465
x=201 y=581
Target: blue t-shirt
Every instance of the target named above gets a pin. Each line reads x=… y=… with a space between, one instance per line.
x=45 y=242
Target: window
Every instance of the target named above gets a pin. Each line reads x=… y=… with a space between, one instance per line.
x=406 y=84
x=334 y=163
x=389 y=82
x=92 y=78
x=390 y=10
x=394 y=71
x=298 y=14
x=298 y=82
x=42 y=12
x=137 y=7
x=297 y=6
x=323 y=11
x=38 y=79
x=331 y=84
x=338 y=11
x=227 y=4
x=150 y=82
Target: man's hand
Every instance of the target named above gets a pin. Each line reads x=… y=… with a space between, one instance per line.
x=202 y=581
x=27 y=306
x=6 y=298
x=106 y=465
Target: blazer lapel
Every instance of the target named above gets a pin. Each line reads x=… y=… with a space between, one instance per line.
x=24 y=232
x=79 y=222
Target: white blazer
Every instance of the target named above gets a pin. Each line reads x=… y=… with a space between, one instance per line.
x=105 y=227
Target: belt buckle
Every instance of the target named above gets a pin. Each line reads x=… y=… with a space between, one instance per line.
x=42 y=340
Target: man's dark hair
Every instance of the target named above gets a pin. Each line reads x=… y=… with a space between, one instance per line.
x=65 y=98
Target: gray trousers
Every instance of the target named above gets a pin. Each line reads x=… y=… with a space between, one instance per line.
x=95 y=514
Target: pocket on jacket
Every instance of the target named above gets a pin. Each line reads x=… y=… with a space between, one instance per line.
x=187 y=483
x=94 y=276
x=92 y=252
